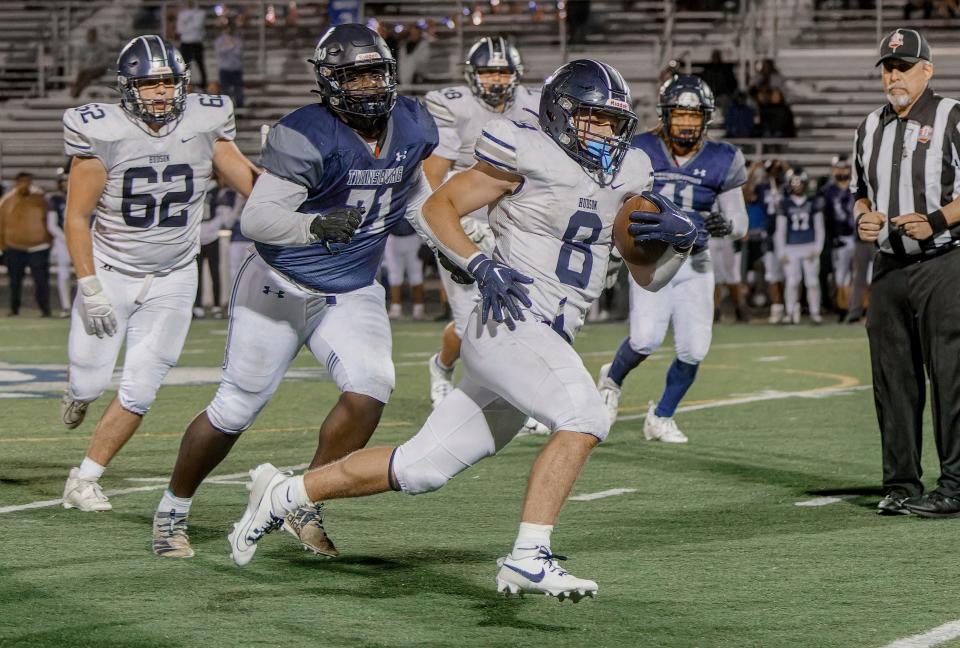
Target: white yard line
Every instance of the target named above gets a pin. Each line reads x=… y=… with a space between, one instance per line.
x=934 y=637
x=756 y=398
x=220 y=479
x=589 y=497
x=823 y=501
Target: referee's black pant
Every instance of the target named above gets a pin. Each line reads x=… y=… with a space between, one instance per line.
x=914 y=323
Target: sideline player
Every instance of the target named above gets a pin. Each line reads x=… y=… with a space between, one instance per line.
x=142 y=166
x=837 y=200
x=493 y=72
x=798 y=241
x=56 y=208
x=338 y=175
x=701 y=176
x=550 y=182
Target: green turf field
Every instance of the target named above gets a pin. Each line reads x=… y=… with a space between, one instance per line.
x=708 y=550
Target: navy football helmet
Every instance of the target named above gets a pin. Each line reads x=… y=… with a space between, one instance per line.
x=685 y=92
x=356 y=76
x=493 y=54
x=572 y=96
x=148 y=60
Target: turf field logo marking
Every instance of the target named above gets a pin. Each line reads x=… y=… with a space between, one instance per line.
x=935 y=637
x=824 y=501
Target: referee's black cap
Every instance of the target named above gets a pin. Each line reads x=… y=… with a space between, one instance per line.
x=905 y=44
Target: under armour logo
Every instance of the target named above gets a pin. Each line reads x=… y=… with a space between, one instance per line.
x=267 y=290
x=402 y=155
x=700 y=173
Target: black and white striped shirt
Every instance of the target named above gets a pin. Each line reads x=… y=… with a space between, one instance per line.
x=909 y=165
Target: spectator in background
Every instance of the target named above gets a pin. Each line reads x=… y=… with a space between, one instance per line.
x=721 y=78
x=776 y=118
x=578 y=21
x=740 y=119
x=926 y=6
x=414 y=56
x=190 y=31
x=56 y=204
x=25 y=242
x=229 y=49
x=93 y=63
x=402 y=257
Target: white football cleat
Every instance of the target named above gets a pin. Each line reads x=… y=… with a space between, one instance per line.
x=72 y=412
x=776 y=313
x=534 y=427
x=540 y=574
x=395 y=312
x=609 y=392
x=816 y=318
x=662 y=428
x=84 y=494
x=258 y=520
x=441 y=380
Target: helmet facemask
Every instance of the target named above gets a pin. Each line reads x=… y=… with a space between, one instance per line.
x=155 y=111
x=493 y=94
x=362 y=94
x=677 y=124
x=597 y=137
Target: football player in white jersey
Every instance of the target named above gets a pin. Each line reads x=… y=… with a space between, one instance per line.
x=493 y=69
x=556 y=184
x=141 y=167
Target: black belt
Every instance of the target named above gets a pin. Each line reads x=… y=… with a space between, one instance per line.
x=908 y=260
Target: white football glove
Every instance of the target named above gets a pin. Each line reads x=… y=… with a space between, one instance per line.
x=479 y=233
x=613 y=269
x=95 y=308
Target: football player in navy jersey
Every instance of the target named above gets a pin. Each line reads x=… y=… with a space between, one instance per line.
x=837 y=200
x=798 y=241
x=703 y=177
x=338 y=175
x=56 y=207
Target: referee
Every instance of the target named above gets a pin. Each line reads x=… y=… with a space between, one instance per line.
x=906 y=186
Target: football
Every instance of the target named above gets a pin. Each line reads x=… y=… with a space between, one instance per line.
x=635 y=255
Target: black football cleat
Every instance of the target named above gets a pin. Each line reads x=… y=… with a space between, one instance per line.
x=933 y=505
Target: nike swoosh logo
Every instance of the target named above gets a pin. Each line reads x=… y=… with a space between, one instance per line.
x=615 y=187
x=187 y=139
x=289 y=499
x=533 y=578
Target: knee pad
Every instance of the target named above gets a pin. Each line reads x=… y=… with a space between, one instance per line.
x=137 y=397
x=443 y=449
x=645 y=344
x=88 y=385
x=587 y=418
x=233 y=410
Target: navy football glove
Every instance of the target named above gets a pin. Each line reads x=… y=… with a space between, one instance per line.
x=717 y=224
x=337 y=225
x=671 y=225
x=458 y=274
x=501 y=287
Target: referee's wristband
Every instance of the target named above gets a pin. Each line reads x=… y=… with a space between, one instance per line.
x=938 y=222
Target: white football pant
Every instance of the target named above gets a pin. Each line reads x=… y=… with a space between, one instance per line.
x=687 y=301
x=153 y=314
x=271 y=318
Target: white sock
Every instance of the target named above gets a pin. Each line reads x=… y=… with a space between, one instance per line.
x=530 y=538
x=90 y=469
x=288 y=496
x=170 y=502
